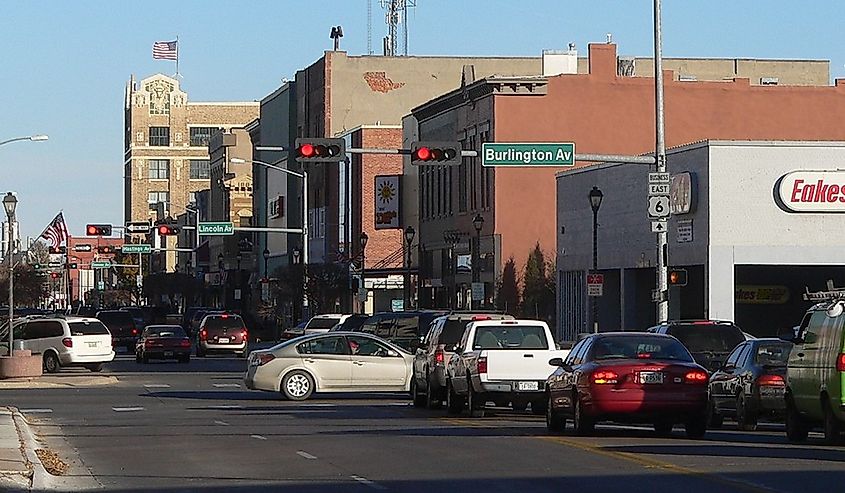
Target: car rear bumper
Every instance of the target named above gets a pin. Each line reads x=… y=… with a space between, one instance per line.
x=260 y=380
x=77 y=359
x=645 y=404
x=525 y=389
x=167 y=353
x=208 y=346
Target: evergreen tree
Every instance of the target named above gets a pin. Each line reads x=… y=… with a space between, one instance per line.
x=507 y=289
x=538 y=294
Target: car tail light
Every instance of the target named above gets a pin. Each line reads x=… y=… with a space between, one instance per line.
x=476 y=318
x=134 y=332
x=771 y=381
x=695 y=376
x=264 y=358
x=481 y=365
x=605 y=377
x=203 y=334
x=224 y=316
x=840 y=362
x=438 y=356
x=244 y=334
x=185 y=342
x=67 y=341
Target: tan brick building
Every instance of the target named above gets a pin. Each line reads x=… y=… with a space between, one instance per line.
x=166 y=144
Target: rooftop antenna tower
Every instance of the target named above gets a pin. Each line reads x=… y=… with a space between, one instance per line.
x=397 y=13
x=369 y=27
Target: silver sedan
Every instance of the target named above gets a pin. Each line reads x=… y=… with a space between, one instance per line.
x=331 y=362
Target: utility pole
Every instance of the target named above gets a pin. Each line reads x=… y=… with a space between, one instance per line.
x=660 y=165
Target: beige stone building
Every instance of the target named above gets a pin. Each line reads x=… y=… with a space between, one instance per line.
x=166 y=144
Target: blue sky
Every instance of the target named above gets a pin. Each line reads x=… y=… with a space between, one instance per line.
x=64 y=63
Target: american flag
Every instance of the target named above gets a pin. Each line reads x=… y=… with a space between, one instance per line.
x=165 y=50
x=56 y=231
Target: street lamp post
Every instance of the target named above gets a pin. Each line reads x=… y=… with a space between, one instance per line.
x=451 y=238
x=363 y=239
x=266 y=254
x=595 y=196
x=409 y=240
x=478 y=224
x=10 y=202
x=33 y=138
x=220 y=267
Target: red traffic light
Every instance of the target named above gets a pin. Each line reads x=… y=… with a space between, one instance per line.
x=423 y=154
x=105 y=249
x=98 y=230
x=55 y=275
x=320 y=150
x=445 y=153
x=678 y=277
x=306 y=150
x=167 y=230
x=92 y=230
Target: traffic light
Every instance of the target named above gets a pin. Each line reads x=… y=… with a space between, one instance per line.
x=167 y=230
x=98 y=230
x=58 y=250
x=72 y=265
x=310 y=150
x=448 y=153
x=677 y=277
x=106 y=249
x=55 y=275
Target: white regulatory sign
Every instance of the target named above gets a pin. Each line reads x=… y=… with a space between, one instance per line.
x=658 y=178
x=658 y=206
x=658 y=189
x=659 y=226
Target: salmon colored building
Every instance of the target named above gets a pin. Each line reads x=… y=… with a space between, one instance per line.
x=602 y=112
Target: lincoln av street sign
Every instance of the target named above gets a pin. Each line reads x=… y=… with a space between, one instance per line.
x=528 y=154
x=217 y=229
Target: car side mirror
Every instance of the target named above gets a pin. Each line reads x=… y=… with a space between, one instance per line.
x=391 y=354
x=728 y=367
x=556 y=362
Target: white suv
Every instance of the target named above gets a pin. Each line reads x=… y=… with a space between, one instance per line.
x=322 y=323
x=71 y=341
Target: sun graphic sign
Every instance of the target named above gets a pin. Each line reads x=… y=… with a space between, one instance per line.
x=387 y=202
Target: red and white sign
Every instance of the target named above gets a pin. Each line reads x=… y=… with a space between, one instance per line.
x=811 y=191
x=595 y=278
x=595 y=284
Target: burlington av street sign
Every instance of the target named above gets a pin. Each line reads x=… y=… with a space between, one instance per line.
x=528 y=154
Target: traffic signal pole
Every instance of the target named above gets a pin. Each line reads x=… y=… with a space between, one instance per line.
x=660 y=166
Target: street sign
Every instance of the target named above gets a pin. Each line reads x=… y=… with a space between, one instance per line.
x=477 y=291
x=217 y=229
x=658 y=296
x=138 y=227
x=137 y=248
x=397 y=305
x=684 y=231
x=595 y=284
x=659 y=226
x=83 y=247
x=658 y=178
x=56 y=264
x=528 y=154
x=101 y=285
x=658 y=206
x=658 y=189
x=101 y=264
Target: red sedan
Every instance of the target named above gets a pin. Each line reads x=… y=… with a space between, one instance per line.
x=628 y=377
x=163 y=342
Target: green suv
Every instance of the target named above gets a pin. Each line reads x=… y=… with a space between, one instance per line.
x=816 y=370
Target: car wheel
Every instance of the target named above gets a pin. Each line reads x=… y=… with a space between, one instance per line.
x=832 y=426
x=475 y=404
x=554 y=422
x=663 y=427
x=745 y=418
x=94 y=367
x=419 y=399
x=796 y=429
x=431 y=402
x=51 y=363
x=519 y=406
x=583 y=424
x=696 y=427
x=714 y=419
x=297 y=385
x=454 y=404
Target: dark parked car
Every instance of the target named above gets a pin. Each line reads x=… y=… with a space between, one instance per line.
x=405 y=329
x=188 y=322
x=120 y=323
x=751 y=383
x=137 y=315
x=628 y=377
x=221 y=333
x=163 y=342
x=709 y=341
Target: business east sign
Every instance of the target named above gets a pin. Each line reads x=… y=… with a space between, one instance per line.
x=811 y=191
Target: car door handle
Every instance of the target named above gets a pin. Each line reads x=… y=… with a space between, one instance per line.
x=310 y=360
x=359 y=363
x=527 y=355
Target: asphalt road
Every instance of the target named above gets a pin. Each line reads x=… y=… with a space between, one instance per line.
x=173 y=427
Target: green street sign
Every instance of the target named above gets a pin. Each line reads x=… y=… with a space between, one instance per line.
x=101 y=264
x=137 y=248
x=528 y=154
x=217 y=229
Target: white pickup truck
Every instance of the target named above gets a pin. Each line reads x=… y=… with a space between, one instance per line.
x=504 y=361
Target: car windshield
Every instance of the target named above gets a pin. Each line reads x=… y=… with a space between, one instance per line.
x=640 y=347
x=773 y=354
x=322 y=323
x=164 y=331
x=88 y=328
x=510 y=337
x=717 y=338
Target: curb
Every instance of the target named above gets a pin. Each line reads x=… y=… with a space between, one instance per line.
x=35 y=383
x=41 y=479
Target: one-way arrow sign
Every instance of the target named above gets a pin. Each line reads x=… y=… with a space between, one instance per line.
x=658 y=227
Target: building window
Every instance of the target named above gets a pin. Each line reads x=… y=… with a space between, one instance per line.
x=159 y=169
x=160 y=136
x=201 y=135
x=199 y=169
x=154 y=198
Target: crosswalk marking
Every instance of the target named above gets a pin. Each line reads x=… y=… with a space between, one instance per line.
x=127 y=409
x=36 y=411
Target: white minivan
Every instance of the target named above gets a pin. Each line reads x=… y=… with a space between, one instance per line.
x=65 y=341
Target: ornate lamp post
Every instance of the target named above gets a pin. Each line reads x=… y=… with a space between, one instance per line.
x=362 y=240
x=477 y=223
x=409 y=239
x=266 y=254
x=595 y=196
x=10 y=203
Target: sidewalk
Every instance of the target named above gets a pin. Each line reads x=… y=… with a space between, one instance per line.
x=15 y=469
x=58 y=382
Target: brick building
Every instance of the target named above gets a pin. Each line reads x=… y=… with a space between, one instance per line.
x=82 y=250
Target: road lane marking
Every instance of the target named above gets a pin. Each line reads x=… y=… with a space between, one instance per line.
x=367 y=482
x=227 y=385
x=36 y=411
x=221 y=423
x=259 y=437
x=127 y=409
x=156 y=386
x=306 y=455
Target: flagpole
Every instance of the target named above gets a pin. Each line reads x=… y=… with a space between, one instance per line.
x=177 y=56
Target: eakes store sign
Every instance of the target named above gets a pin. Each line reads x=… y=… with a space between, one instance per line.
x=811 y=191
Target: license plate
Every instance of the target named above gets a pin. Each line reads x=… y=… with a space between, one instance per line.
x=527 y=386
x=93 y=344
x=168 y=353
x=223 y=340
x=651 y=377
